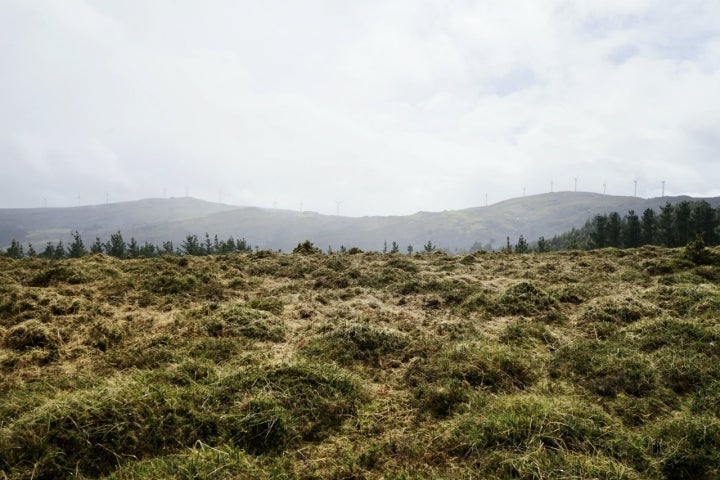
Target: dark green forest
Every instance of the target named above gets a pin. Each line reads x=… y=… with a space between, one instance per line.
x=673 y=226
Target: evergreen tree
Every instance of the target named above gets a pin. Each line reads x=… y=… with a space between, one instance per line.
x=666 y=231
x=385 y=246
x=521 y=246
x=148 y=250
x=116 y=246
x=682 y=223
x=167 y=248
x=631 y=233
x=31 y=251
x=614 y=229
x=599 y=234
x=76 y=249
x=97 y=247
x=59 y=251
x=133 y=249
x=648 y=227
x=395 y=247
x=49 y=251
x=15 y=250
x=409 y=249
x=429 y=247
x=208 y=245
x=705 y=222
x=191 y=246
x=542 y=246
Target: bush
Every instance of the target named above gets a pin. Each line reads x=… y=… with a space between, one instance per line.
x=306 y=248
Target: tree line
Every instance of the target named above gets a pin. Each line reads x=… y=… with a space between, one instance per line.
x=117 y=247
x=673 y=226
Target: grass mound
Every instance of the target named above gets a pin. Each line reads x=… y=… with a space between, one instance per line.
x=521 y=425
x=148 y=414
x=356 y=341
x=29 y=334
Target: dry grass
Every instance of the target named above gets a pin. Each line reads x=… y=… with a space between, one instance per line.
x=598 y=364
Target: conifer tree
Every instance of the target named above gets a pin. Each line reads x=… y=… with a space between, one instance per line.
x=631 y=231
x=521 y=246
x=648 y=227
x=666 y=232
x=76 y=249
x=614 y=229
x=15 y=250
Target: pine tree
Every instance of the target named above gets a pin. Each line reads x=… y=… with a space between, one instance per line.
x=59 y=251
x=76 y=249
x=705 y=222
x=116 y=247
x=648 y=227
x=15 y=250
x=133 y=249
x=521 y=246
x=599 y=233
x=429 y=247
x=631 y=232
x=191 y=245
x=208 y=245
x=542 y=246
x=682 y=223
x=167 y=248
x=97 y=247
x=31 y=251
x=614 y=229
x=666 y=232
x=395 y=247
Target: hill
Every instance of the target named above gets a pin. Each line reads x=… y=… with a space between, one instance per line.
x=158 y=220
x=602 y=364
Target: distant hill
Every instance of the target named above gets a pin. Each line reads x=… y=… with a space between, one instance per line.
x=157 y=220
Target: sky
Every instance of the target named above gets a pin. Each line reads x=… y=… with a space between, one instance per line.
x=378 y=107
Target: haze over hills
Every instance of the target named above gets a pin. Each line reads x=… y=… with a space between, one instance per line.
x=158 y=220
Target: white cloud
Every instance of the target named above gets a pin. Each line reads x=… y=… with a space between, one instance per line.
x=392 y=106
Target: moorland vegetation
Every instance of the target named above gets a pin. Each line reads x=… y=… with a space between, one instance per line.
x=576 y=364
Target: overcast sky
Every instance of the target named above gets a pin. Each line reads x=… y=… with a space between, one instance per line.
x=391 y=107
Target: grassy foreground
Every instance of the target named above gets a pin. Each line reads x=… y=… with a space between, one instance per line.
x=602 y=364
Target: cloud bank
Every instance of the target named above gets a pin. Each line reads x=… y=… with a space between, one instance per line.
x=390 y=107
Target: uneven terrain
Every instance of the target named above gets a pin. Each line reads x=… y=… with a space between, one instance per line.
x=599 y=364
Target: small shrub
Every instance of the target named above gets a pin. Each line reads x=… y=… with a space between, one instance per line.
x=306 y=248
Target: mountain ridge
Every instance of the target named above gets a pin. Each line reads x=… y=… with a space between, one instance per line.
x=156 y=220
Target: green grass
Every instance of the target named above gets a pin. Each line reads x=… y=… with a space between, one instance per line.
x=584 y=365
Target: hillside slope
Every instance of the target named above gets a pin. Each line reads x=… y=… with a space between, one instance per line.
x=157 y=220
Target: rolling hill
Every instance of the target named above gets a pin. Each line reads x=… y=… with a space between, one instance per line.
x=158 y=220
